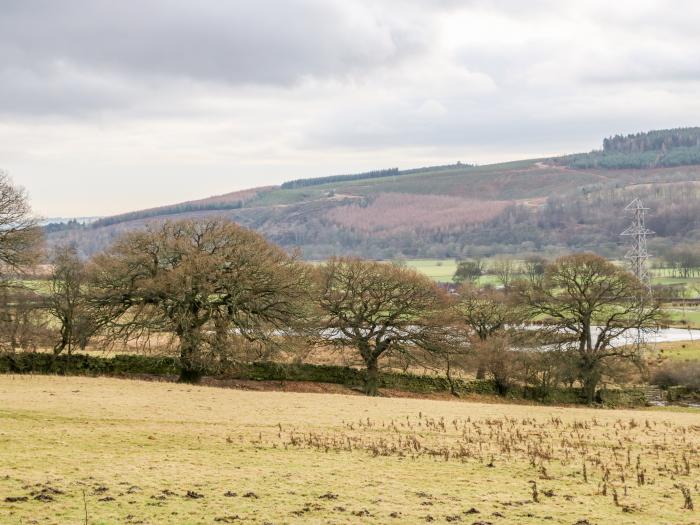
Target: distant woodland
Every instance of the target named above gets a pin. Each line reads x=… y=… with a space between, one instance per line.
x=654 y=149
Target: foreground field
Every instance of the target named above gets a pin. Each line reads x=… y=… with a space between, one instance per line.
x=76 y=450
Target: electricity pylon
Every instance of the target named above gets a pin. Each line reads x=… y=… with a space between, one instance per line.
x=637 y=255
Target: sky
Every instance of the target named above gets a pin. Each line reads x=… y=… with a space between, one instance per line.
x=110 y=106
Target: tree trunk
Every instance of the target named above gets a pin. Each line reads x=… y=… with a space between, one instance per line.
x=58 y=347
x=372 y=378
x=590 y=379
x=481 y=372
x=190 y=368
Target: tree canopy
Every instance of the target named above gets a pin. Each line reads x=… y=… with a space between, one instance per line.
x=186 y=277
x=20 y=238
x=375 y=308
x=589 y=304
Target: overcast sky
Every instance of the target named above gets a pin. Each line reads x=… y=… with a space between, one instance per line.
x=109 y=106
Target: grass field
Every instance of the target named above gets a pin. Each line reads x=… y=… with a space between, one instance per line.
x=680 y=350
x=138 y=452
x=689 y=317
x=442 y=270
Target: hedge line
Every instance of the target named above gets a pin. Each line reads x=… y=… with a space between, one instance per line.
x=124 y=365
x=82 y=364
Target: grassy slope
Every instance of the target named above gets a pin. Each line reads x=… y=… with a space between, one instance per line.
x=130 y=441
x=525 y=179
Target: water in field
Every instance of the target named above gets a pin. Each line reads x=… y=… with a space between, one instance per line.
x=650 y=337
x=669 y=335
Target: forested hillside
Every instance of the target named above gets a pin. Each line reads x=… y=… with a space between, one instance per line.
x=458 y=210
x=654 y=149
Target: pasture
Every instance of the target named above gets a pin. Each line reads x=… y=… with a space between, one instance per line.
x=678 y=351
x=442 y=270
x=99 y=450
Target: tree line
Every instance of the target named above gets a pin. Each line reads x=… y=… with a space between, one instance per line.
x=658 y=148
x=212 y=287
x=374 y=174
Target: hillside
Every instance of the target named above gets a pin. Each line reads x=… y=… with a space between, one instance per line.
x=453 y=210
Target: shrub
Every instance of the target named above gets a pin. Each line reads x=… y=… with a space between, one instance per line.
x=686 y=374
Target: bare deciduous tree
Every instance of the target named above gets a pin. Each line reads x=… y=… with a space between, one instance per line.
x=505 y=270
x=500 y=362
x=486 y=313
x=534 y=267
x=22 y=327
x=67 y=302
x=375 y=308
x=20 y=237
x=589 y=304
x=195 y=280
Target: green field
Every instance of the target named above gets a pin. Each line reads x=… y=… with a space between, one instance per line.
x=689 y=317
x=442 y=270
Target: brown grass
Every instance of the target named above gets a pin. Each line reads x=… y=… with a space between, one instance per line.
x=166 y=453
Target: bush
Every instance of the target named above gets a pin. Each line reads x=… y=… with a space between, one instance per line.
x=82 y=364
x=686 y=374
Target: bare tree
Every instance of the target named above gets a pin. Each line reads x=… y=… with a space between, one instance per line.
x=534 y=267
x=67 y=302
x=374 y=308
x=448 y=342
x=195 y=280
x=22 y=325
x=486 y=312
x=505 y=270
x=589 y=304
x=20 y=237
x=500 y=362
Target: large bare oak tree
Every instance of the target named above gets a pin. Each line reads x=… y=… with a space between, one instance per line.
x=194 y=279
x=375 y=308
x=589 y=304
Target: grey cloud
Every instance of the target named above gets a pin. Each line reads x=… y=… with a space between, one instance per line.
x=248 y=89
x=275 y=43
x=56 y=90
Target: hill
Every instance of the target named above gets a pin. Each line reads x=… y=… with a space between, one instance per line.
x=457 y=210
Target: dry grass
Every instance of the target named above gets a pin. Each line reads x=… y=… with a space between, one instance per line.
x=165 y=453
